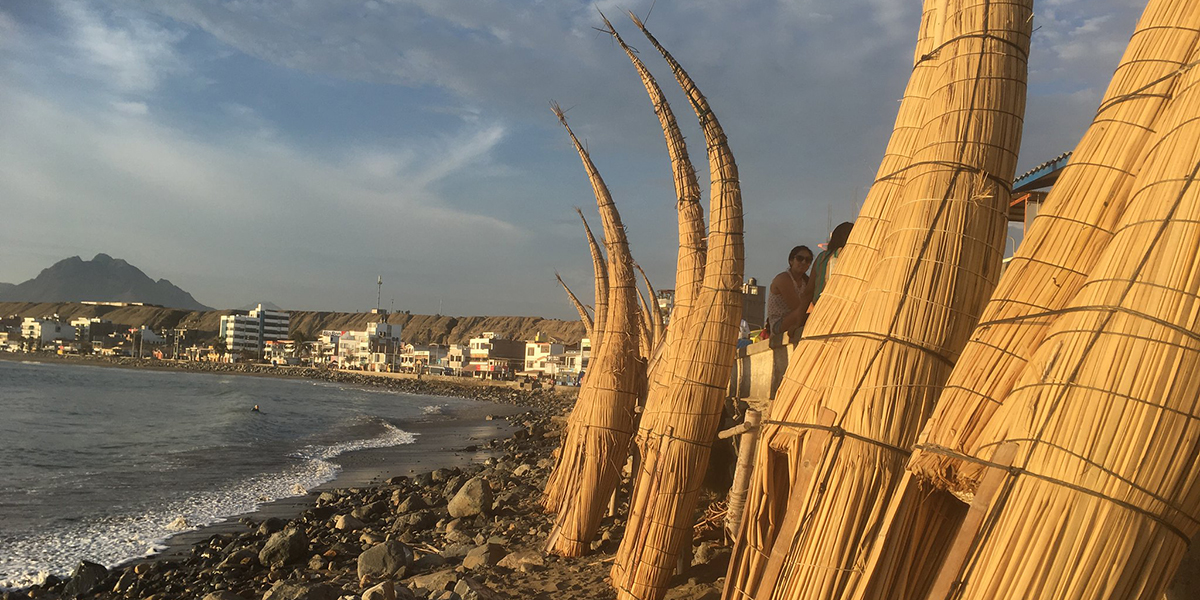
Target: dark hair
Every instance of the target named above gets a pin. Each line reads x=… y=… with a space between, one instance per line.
x=796 y=250
x=837 y=239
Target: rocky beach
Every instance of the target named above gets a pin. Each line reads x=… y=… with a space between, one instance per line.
x=462 y=522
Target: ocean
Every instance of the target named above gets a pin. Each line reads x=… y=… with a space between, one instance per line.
x=105 y=464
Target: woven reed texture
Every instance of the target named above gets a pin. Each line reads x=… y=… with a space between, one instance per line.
x=680 y=423
x=600 y=268
x=689 y=271
x=772 y=479
x=1103 y=495
x=1073 y=227
x=938 y=264
x=601 y=425
x=1065 y=241
x=579 y=307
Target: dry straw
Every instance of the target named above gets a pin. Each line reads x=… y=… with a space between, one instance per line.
x=689 y=271
x=772 y=478
x=680 y=420
x=938 y=263
x=1103 y=496
x=599 y=429
x=579 y=307
x=1072 y=229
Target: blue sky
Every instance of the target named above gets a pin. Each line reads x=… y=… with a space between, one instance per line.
x=293 y=151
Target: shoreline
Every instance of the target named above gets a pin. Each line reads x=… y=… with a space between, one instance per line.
x=458 y=519
x=459 y=438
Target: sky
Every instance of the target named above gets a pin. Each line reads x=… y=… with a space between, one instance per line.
x=295 y=151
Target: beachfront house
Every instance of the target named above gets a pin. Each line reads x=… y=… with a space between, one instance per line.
x=543 y=356
x=419 y=359
x=493 y=357
x=44 y=332
x=375 y=349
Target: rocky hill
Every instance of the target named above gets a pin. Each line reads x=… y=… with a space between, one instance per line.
x=104 y=279
x=417 y=329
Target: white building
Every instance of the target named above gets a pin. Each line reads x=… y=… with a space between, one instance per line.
x=541 y=355
x=376 y=349
x=418 y=359
x=251 y=332
x=43 y=331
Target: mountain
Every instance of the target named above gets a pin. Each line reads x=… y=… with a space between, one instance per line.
x=102 y=279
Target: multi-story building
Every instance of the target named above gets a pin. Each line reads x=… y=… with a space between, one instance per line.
x=495 y=358
x=541 y=354
x=458 y=359
x=250 y=332
x=38 y=332
x=754 y=304
x=88 y=330
x=418 y=359
x=376 y=349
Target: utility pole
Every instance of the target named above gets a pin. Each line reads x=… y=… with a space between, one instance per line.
x=378 y=293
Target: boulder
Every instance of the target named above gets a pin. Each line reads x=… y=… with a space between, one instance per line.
x=485 y=555
x=87 y=574
x=435 y=582
x=473 y=498
x=297 y=590
x=347 y=523
x=383 y=591
x=389 y=559
x=522 y=560
x=271 y=525
x=284 y=547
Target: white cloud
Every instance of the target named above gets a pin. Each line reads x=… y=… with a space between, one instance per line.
x=132 y=57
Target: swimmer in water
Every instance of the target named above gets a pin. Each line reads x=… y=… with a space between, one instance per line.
x=255 y=409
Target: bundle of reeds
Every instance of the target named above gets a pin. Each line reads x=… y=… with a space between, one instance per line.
x=939 y=261
x=772 y=479
x=601 y=425
x=689 y=270
x=1104 y=493
x=679 y=423
x=1072 y=229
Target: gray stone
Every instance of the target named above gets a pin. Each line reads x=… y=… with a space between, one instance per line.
x=485 y=555
x=436 y=581
x=412 y=503
x=474 y=498
x=383 y=591
x=522 y=560
x=347 y=523
x=271 y=525
x=223 y=595
x=282 y=548
x=296 y=590
x=370 y=512
x=389 y=559
x=237 y=558
x=521 y=470
x=87 y=574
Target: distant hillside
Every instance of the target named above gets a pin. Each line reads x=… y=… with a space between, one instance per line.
x=104 y=279
x=417 y=329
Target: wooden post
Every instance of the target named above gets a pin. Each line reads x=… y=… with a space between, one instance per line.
x=816 y=442
x=960 y=548
x=747 y=446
